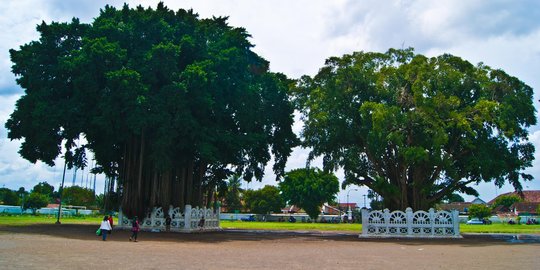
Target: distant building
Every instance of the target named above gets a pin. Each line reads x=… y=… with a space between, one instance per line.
x=345 y=206
x=461 y=207
x=501 y=210
x=525 y=208
x=290 y=209
x=478 y=201
x=332 y=210
x=528 y=196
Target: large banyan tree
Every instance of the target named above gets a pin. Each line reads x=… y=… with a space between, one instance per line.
x=168 y=103
x=415 y=129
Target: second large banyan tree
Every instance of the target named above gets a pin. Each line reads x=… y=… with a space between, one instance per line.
x=170 y=104
x=415 y=129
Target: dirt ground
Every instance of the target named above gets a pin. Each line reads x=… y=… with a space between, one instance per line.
x=77 y=247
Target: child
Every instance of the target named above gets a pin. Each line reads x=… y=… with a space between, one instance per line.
x=201 y=223
x=111 y=221
x=168 y=222
x=134 y=229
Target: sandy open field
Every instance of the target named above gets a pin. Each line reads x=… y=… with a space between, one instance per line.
x=77 y=247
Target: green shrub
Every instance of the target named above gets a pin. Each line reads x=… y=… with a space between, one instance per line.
x=479 y=211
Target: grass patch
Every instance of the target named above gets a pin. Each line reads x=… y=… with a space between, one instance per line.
x=499 y=228
x=225 y=224
x=24 y=220
x=464 y=228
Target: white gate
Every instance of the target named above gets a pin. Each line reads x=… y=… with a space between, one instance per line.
x=421 y=224
x=186 y=221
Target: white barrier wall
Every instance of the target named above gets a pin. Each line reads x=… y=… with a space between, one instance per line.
x=421 y=224
x=8 y=209
x=186 y=221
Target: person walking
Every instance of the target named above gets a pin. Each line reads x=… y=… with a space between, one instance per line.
x=168 y=223
x=105 y=228
x=111 y=222
x=134 y=229
x=201 y=223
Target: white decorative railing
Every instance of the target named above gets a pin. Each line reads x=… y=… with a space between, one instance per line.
x=186 y=221
x=444 y=224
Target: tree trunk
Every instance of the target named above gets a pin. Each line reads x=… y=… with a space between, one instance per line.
x=189 y=183
x=181 y=187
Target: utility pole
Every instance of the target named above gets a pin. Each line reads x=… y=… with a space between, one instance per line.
x=74 y=176
x=61 y=190
x=349 y=212
x=364 y=200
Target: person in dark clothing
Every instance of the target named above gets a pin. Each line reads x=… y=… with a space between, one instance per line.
x=201 y=223
x=168 y=222
x=111 y=222
x=134 y=229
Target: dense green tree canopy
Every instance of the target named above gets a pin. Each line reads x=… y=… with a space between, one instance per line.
x=506 y=200
x=233 y=192
x=78 y=196
x=165 y=100
x=309 y=188
x=414 y=128
x=264 y=200
x=35 y=201
x=450 y=198
x=22 y=192
x=8 y=197
x=44 y=188
x=479 y=211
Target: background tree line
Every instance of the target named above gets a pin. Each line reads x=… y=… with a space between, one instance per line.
x=43 y=194
x=307 y=188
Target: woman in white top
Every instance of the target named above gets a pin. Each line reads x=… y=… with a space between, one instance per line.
x=105 y=227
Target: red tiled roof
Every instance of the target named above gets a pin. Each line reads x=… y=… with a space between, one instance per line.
x=528 y=196
x=525 y=207
x=460 y=206
x=501 y=209
x=291 y=209
x=346 y=205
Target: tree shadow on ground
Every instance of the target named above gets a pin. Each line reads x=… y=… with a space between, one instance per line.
x=87 y=232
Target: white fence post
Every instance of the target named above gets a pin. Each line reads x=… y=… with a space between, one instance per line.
x=218 y=212
x=409 y=214
x=386 y=216
x=432 y=220
x=187 y=217
x=365 y=221
x=455 y=220
x=120 y=221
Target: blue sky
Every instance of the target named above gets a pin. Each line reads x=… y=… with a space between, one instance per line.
x=296 y=37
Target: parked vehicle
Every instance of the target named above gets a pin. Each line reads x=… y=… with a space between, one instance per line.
x=250 y=218
x=532 y=221
x=475 y=221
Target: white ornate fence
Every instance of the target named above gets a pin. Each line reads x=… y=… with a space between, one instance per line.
x=419 y=224
x=186 y=221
